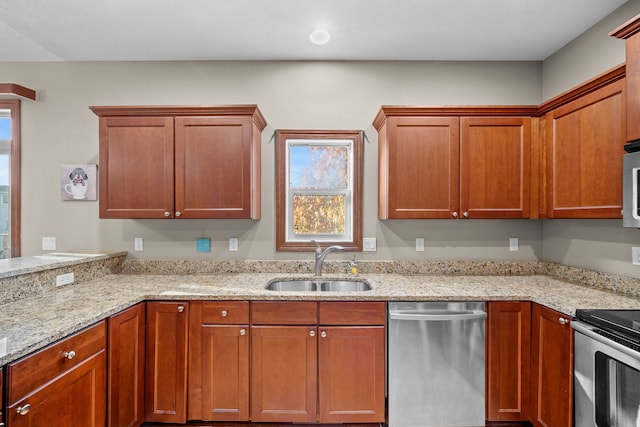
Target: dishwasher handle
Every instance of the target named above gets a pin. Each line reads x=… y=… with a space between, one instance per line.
x=440 y=316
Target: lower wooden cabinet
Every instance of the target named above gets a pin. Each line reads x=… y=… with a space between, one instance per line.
x=551 y=368
x=328 y=368
x=63 y=384
x=508 y=360
x=166 y=362
x=126 y=367
x=219 y=361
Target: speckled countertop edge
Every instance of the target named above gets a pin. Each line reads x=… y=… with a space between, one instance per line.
x=32 y=323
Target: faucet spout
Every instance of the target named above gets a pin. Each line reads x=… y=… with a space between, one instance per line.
x=321 y=255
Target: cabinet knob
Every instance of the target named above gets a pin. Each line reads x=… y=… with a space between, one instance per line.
x=323 y=334
x=243 y=331
x=23 y=410
x=224 y=313
x=180 y=308
x=455 y=214
x=466 y=214
x=69 y=354
x=563 y=321
x=312 y=333
x=178 y=214
x=167 y=214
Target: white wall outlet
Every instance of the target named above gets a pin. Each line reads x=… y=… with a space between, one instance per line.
x=419 y=244
x=233 y=244
x=65 y=279
x=635 y=255
x=513 y=244
x=138 y=244
x=48 y=243
x=369 y=244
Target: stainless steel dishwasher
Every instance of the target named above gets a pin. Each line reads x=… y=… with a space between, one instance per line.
x=436 y=364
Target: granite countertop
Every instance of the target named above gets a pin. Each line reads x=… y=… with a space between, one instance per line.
x=34 y=322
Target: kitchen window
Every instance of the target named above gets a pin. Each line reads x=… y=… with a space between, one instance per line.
x=9 y=178
x=319 y=189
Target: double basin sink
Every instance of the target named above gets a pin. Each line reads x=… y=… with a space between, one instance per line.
x=318 y=285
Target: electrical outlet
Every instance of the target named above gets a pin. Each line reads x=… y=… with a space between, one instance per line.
x=419 y=244
x=138 y=244
x=48 y=243
x=635 y=255
x=65 y=279
x=233 y=244
x=369 y=244
x=513 y=244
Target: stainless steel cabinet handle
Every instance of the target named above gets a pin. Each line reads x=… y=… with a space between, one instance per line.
x=224 y=313
x=455 y=214
x=243 y=331
x=23 y=410
x=167 y=214
x=180 y=308
x=69 y=354
x=466 y=214
x=323 y=334
x=178 y=214
x=563 y=321
x=438 y=316
x=312 y=333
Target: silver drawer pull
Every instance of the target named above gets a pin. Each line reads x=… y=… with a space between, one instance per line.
x=243 y=331
x=69 y=354
x=23 y=410
x=312 y=333
x=323 y=334
x=180 y=308
x=563 y=321
x=224 y=313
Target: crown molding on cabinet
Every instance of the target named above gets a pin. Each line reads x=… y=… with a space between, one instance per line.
x=16 y=91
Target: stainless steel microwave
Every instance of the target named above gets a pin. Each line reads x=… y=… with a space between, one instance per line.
x=630 y=202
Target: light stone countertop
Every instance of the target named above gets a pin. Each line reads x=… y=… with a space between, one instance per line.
x=32 y=323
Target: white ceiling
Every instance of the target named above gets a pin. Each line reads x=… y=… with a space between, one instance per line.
x=122 y=30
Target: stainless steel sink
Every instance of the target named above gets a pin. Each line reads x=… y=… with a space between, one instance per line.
x=305 y=285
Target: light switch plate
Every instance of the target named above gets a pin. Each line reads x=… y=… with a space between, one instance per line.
x=369 y=244
x=233 y=244
x=65 y=279
x=138 y=244
x=419 y=244
x=635 y=255
x=513 y=244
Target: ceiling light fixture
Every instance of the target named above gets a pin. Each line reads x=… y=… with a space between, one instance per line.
x=320 y=37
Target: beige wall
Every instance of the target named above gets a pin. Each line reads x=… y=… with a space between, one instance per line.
x=59 y=128
x=601 y=245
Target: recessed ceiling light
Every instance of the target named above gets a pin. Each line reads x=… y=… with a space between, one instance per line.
x=320 y=37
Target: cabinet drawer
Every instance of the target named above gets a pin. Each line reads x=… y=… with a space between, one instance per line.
x=225 y=312
x=284 y=312
x=353 y=313
x=35 y=370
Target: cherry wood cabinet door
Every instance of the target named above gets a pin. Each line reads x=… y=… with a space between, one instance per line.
x=126 y=367
x=166 y=362
x=351 y=375
x=418 y=168
x=136 y=167
x=216 y=171
x=584 y=149
x=225 y=364
x=75 y=398
x=551 y=368
x=495 y=167
x=284 y=373
x=508 y=360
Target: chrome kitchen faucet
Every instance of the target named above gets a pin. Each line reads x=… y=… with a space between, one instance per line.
x=321 y=255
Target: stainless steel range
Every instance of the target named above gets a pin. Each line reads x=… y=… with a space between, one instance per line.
x=607 y=368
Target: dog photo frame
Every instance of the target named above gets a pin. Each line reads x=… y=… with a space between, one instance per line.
x=78 y=182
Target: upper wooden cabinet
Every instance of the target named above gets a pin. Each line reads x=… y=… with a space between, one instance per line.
x=180 y=162
x=454 y=162
x=584 y=140
x=630 y=32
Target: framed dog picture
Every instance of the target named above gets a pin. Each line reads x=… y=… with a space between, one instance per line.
x=78 y=182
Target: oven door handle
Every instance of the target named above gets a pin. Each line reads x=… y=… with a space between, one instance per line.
x=588 y=330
